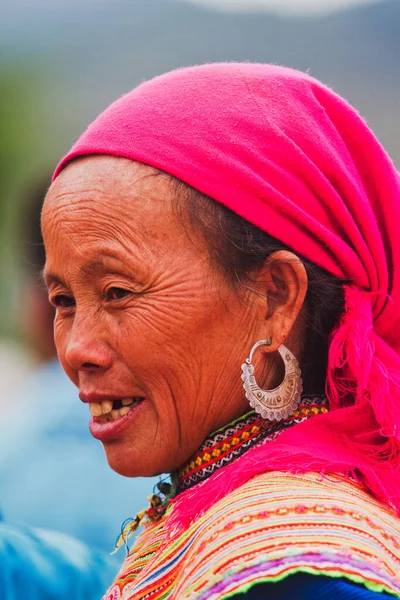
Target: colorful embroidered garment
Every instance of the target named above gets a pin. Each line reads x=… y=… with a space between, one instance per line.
x=274 y=526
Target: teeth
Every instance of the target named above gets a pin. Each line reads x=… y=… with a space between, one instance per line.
x=95 y=409
x=106 y=406
x=127 y=401
x=105 y=411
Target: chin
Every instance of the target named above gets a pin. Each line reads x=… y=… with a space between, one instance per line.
x=127 y=463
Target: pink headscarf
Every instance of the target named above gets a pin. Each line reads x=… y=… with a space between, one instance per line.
x=293 y=158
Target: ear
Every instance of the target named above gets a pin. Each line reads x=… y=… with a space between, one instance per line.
x=282 y=283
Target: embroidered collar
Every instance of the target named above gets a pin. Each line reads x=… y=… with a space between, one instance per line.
x=231 y=441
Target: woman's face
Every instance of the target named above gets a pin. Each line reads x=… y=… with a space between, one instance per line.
x=142 y=319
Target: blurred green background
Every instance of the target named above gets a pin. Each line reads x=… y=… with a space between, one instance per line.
x=61 y=62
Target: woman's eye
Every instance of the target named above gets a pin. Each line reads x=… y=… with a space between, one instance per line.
x=116 y=293
x=63 y=301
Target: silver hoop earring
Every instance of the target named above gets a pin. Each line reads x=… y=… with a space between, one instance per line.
x=282 y=401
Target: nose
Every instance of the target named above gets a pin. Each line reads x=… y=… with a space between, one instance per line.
x=87 y=349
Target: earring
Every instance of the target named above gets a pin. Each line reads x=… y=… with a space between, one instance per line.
x=283 y=400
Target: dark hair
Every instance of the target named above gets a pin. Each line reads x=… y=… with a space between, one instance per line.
x=239 y=248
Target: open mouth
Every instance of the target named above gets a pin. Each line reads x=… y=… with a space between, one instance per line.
x=110 y=410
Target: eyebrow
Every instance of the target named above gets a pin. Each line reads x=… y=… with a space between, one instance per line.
x=94 y=267
x=50 y=278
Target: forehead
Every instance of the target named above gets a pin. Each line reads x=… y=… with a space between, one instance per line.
x=114 y=209
x=109 y=197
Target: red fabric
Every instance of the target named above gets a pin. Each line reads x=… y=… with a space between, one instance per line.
x=292 y=157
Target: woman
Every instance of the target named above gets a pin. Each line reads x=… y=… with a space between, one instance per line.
x=221 y=249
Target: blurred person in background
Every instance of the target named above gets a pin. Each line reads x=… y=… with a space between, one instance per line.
x=38 y=564
x=222 y=251
x=52 y=473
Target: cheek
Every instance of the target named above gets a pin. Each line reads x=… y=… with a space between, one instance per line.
x=168 y=341
x=149 y=330
x=155 y=340
x=145 y=341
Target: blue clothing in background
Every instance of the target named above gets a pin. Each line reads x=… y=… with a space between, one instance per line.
x=45 y=565
x=303 y=586
x=53 y=474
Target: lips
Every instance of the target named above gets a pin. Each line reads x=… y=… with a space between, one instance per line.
x=110 y=427
x=109 y=413
x=89 y=397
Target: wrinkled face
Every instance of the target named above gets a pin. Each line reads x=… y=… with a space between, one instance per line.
x=150 y=333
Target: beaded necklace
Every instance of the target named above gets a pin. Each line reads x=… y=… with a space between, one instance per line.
x=231 y=441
